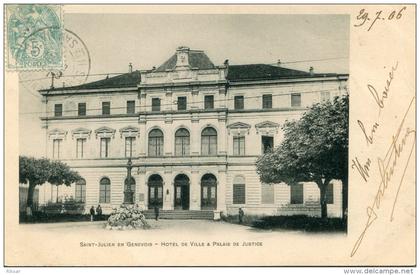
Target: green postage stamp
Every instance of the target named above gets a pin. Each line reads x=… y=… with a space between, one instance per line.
x=34 y=36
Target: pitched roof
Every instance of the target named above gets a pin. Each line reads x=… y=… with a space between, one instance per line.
x=120 y=81
x=196 y=59
x=265 y=72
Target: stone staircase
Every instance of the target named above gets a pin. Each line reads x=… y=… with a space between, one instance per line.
x=181 y=214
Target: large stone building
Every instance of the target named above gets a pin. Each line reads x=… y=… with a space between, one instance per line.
x=193 y=131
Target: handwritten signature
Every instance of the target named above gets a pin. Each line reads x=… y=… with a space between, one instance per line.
x=380 y=101
x=363 y=17
x=387 y=166
x=363 y=169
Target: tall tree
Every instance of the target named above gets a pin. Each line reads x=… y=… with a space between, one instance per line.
x=35 y=172
x=315 y=148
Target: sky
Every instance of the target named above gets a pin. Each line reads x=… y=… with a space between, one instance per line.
x=115 y=40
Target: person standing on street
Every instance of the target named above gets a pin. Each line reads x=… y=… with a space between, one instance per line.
x=156 y=212
x=99 y=212
x=92 y=213
x=241 y=215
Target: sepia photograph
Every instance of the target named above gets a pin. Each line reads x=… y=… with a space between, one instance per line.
x=163 y=131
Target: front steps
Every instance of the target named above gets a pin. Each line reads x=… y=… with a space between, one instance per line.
x=181 y=214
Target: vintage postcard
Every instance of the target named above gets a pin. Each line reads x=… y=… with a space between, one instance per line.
x=218 y=135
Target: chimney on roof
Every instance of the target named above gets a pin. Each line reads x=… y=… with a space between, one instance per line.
x=311 y=71
x=278 y=63
x=130 y=67
x=64 y=84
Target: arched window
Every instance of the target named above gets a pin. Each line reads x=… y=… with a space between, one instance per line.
x=155 y=143
x=80 y=193
x=182 y=142
x=209 y=142
x=133 y=185
x=105 y=190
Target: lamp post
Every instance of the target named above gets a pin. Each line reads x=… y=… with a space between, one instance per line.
x=128 y=193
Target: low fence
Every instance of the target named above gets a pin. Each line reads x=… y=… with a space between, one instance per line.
x=72 y=208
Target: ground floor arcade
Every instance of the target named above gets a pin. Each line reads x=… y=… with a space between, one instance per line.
x=215 y=187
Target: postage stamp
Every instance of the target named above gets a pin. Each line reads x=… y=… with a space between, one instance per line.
x=34 y=37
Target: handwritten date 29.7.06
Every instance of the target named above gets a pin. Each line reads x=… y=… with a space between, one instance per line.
x=365 y=18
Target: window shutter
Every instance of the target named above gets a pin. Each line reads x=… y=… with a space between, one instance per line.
x=330 y=194
x=296 y=194
x=239 y=194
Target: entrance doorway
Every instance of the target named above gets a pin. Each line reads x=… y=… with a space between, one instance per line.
x=182 y=192
x=208 y=192
x=155 y=184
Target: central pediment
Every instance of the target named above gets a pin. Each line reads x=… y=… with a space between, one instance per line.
x=185 y=58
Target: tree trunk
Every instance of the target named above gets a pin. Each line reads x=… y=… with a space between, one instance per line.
x=52 y=192
x=30 y=199
x=56 y=197
x=344 y=206
x=323 y=199
x=345 y=183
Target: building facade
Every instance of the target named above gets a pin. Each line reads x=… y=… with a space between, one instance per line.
x=192 y=130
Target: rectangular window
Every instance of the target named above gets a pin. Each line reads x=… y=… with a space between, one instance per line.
x=80 y=195
x=106 y=108
x=204 y=190
x=325 y=96
x=105 y=193
x=80 y=146
x=58 y=110
x=81 y=109
x=296 y=194
x=105 y=147
x=182 y=103
x=296 y=100
x=155 y=104
x=330 y=194
x=267 y=101
x=182 y=145
x=130 y=147
x=239 y=102
x=267 y=144
x=213 y=192
x=209 y=145
x=267 y=193
x=155 y=146
x=56 y=148
x=131 y=107
x=239 y=194
x=152 y=192
x=208 y=102
x=239 y=146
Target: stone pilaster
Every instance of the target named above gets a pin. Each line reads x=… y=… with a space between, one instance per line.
x=142 y=146
x=221 y=189
x=195 y=136
x=195 y=189
x=141 y=187
x=168 y=190
x=222 y=135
